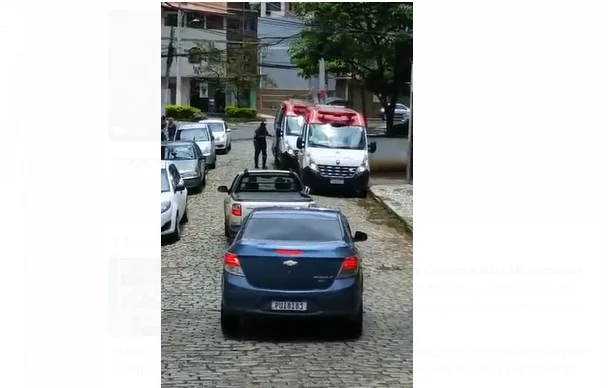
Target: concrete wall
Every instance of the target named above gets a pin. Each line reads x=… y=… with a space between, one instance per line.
x=391 y=154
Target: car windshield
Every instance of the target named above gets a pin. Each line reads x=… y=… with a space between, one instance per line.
x=193 y=134
x=178 y=152
x=294 y=125
x=268 y=183
x=164 y=181
x=329 y=136
x=288 y=228
x=216 y=127
x=400 y=106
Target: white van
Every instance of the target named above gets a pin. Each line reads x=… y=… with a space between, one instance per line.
x=334 y=150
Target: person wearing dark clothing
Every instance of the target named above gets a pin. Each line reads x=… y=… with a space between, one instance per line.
x=171 y=129
x=163 y=136
x=259 y=143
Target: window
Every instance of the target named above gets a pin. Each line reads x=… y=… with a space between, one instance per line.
x=281 y=228
x=193 y=134
x=341 y=137
x=234 y=24
x=194 y=21
x=179 y=152
x=294 y=125
x=273 y=183
x=216 y=127
x=171 y=19
x=164 y=181
x=279 y=121
x=273 y=6
x=215 y=22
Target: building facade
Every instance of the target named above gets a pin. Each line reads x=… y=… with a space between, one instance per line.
x=208 y=24
x=279 y=79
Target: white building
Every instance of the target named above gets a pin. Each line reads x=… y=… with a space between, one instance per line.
x=200 y=22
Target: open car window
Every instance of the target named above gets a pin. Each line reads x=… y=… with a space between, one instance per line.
x=269 y=183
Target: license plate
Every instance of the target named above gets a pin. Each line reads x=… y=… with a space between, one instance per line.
x=288 y=306
x=336 y=181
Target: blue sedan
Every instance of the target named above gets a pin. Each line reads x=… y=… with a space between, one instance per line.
x=293 y=262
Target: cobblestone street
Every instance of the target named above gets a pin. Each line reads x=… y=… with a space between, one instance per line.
x=194 y=352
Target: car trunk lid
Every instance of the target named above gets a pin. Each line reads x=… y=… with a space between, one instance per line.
x=291 y=266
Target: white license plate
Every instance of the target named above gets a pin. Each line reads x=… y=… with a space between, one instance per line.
x=288 y=306
x=336 y=181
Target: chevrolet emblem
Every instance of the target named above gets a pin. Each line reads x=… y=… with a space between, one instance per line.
x=290 y=263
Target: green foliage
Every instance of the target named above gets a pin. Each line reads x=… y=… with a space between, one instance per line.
x=233 y=111
x=183 y=112
x=370 y=41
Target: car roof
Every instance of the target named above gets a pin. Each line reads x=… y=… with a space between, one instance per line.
x=295 y=212
x=211 y=121
x=192 y=126
x=177 y=143
x=268 y=172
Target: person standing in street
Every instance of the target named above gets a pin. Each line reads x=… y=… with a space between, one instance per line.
x=163 y=128
x=259 y=143
x=171 y=129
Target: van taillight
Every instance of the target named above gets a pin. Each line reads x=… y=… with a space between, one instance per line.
x=236 y=210
x=350 y=267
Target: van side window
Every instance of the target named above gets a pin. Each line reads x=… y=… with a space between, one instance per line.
x=279 y=122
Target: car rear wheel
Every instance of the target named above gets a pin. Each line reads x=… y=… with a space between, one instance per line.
x=355 y=325
x=230 y=324
x=212 y=166
x=226 y=229
x=185 y=216
x=177 y=233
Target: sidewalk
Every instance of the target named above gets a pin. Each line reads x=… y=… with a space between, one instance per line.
x=398 y=199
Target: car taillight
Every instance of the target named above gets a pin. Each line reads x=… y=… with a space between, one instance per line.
x=350 y=267
x=236 y=210
x=232 y=264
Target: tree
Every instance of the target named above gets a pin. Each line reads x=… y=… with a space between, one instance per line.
x=234 y=68
x=370 y=41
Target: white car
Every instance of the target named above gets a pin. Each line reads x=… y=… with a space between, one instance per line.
x=221 y=134
x=202 y=136
x=173 y=201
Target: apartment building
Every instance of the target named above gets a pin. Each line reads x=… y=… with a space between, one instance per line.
x=215 y=24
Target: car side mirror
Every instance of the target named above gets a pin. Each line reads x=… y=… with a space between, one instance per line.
x=202 y=157
x=180 y=187
x=360 y=236
x=371 y=147
x=300 y=143
x=222 y=189
x=228 y=130
x=306 y=190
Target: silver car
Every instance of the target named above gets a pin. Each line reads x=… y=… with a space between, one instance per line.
x=202 y=136
x=402 y=113
x=189 y=160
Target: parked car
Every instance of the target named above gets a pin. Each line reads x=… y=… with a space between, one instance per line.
x=202 y=136
x=294 y=263
x=402 y=113
x=173 y=201
x=260 y=188
x=189 y=160
x=221 y=134
x=338 y=102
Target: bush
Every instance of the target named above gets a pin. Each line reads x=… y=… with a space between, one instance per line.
x=233 y=111
x=182 y=112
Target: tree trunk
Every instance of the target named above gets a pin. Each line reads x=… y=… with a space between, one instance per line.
x=389 y=111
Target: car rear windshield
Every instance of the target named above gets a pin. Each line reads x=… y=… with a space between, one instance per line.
x=268 y=183
x=180 y=152
x=193 y=134
x=216 y=127
x=311 y=229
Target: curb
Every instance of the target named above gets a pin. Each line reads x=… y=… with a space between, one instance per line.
x=409 y=227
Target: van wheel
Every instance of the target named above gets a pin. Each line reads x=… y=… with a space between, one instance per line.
x=362 y=193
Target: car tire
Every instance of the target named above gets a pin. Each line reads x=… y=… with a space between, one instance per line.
x=383 y=117
x=177 y=233
x=184 y=219
x=226 y=229
x=229 y=148
x=230 y=324
x=355 y=325
x=362 y=193
x=212 y=166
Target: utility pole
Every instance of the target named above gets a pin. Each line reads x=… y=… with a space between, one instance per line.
x=410 y=169
x=178 y=71
x=167 y=86
x=322 y=80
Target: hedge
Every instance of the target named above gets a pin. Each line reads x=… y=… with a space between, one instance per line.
x=233 y=111
x=183 y=112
